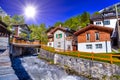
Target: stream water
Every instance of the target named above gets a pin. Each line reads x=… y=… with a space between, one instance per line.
x=32 y=68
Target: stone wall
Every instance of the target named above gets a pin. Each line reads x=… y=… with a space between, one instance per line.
x=94 y=69
x=46 y=54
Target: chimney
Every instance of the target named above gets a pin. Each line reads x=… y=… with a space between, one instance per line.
x=60 y=25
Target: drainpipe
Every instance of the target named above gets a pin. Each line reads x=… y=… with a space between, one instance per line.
x=64 y=41
x=118 y=28
x=106 y=46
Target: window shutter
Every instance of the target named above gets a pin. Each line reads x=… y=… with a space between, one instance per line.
x=60 y=35
x=56 y=35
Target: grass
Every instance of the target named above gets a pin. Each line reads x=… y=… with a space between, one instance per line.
x=46 y=59
x=103 y=57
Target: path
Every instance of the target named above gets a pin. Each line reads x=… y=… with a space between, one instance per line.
x=6 y=71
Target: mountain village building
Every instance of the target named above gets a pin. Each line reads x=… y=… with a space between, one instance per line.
x=62 y=39
x=94 y=38
x=50 y=37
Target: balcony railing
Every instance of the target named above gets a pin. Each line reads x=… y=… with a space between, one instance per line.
x=17 y=41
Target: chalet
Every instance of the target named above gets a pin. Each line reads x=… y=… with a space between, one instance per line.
x=50 y=37
x=107 y=19
x=21 y=28
x=94 y=38
x=4 y=36
x=64 y=39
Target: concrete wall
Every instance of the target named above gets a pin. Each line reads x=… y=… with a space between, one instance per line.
x=105 y=45
x=85 y=67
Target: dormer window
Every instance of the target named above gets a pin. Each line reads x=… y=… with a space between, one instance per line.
x=97 y=36
x=88 y=36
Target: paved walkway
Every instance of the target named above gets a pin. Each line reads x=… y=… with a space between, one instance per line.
x=6 y=71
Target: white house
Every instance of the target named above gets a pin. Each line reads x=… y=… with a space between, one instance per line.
x=64 y=39
x=50 y=37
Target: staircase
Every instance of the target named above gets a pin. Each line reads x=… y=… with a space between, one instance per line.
x=6 y=71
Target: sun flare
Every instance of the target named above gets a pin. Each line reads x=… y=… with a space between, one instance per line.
x=30 y=11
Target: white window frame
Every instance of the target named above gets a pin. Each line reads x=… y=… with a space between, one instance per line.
x=96 y=36
x=98 y=46
x=89 y=46
x=87 y=36
x=106 y=22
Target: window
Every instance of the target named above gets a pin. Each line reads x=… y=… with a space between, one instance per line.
x=87 y=36
x=97 y=36
x=50 y=44
x=68 y=47
x=59 y=44
x=89 y=46
x=98 y=23
x=98 y=46
x=107 y=22
x=58 y=36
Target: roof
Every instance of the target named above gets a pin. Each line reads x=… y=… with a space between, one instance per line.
x=94 y=27
x=100 y=17
x=50 y=36
x=3 y=28
x=50 y=29
x=25 y=26
x=107 y=13
x=62 y=29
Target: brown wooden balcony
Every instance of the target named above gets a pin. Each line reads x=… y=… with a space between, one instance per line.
x=25 y=43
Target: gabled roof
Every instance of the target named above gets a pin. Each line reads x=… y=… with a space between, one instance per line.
x=94 y=27
x=50 y=29
x=23 y=26
x=63 y=29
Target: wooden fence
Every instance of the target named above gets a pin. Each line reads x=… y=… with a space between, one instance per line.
x=97 y=56
x=105 y=57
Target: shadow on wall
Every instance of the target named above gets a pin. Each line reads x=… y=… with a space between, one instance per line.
x=19 y=69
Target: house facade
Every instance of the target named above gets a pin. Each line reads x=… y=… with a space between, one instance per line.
x=21 y=28
x=94 y=38
x=107 y=20
x=107 y=16
x=64 y=39
x=50 y=37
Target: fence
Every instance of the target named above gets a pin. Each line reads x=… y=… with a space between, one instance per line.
x=105 y=57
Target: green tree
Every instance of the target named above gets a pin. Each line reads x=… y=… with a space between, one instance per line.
x=58 y=24
x=1 y=18
x=38 y=32
x=7 y=20
x=95 y=13
x=85 y=19
x=16 y=19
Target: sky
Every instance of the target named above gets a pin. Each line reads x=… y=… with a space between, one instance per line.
x=51 y=11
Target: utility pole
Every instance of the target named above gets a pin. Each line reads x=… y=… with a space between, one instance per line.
x=118 y=27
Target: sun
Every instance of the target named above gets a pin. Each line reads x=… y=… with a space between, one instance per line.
x=30 y=11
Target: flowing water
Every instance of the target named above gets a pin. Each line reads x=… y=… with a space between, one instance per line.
x=32 y=68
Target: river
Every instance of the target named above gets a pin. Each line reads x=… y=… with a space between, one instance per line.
x=32 y=68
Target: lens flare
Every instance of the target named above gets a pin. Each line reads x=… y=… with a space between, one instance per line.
x=30 y=11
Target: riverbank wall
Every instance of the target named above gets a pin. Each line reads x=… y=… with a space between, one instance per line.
x=93 y=69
